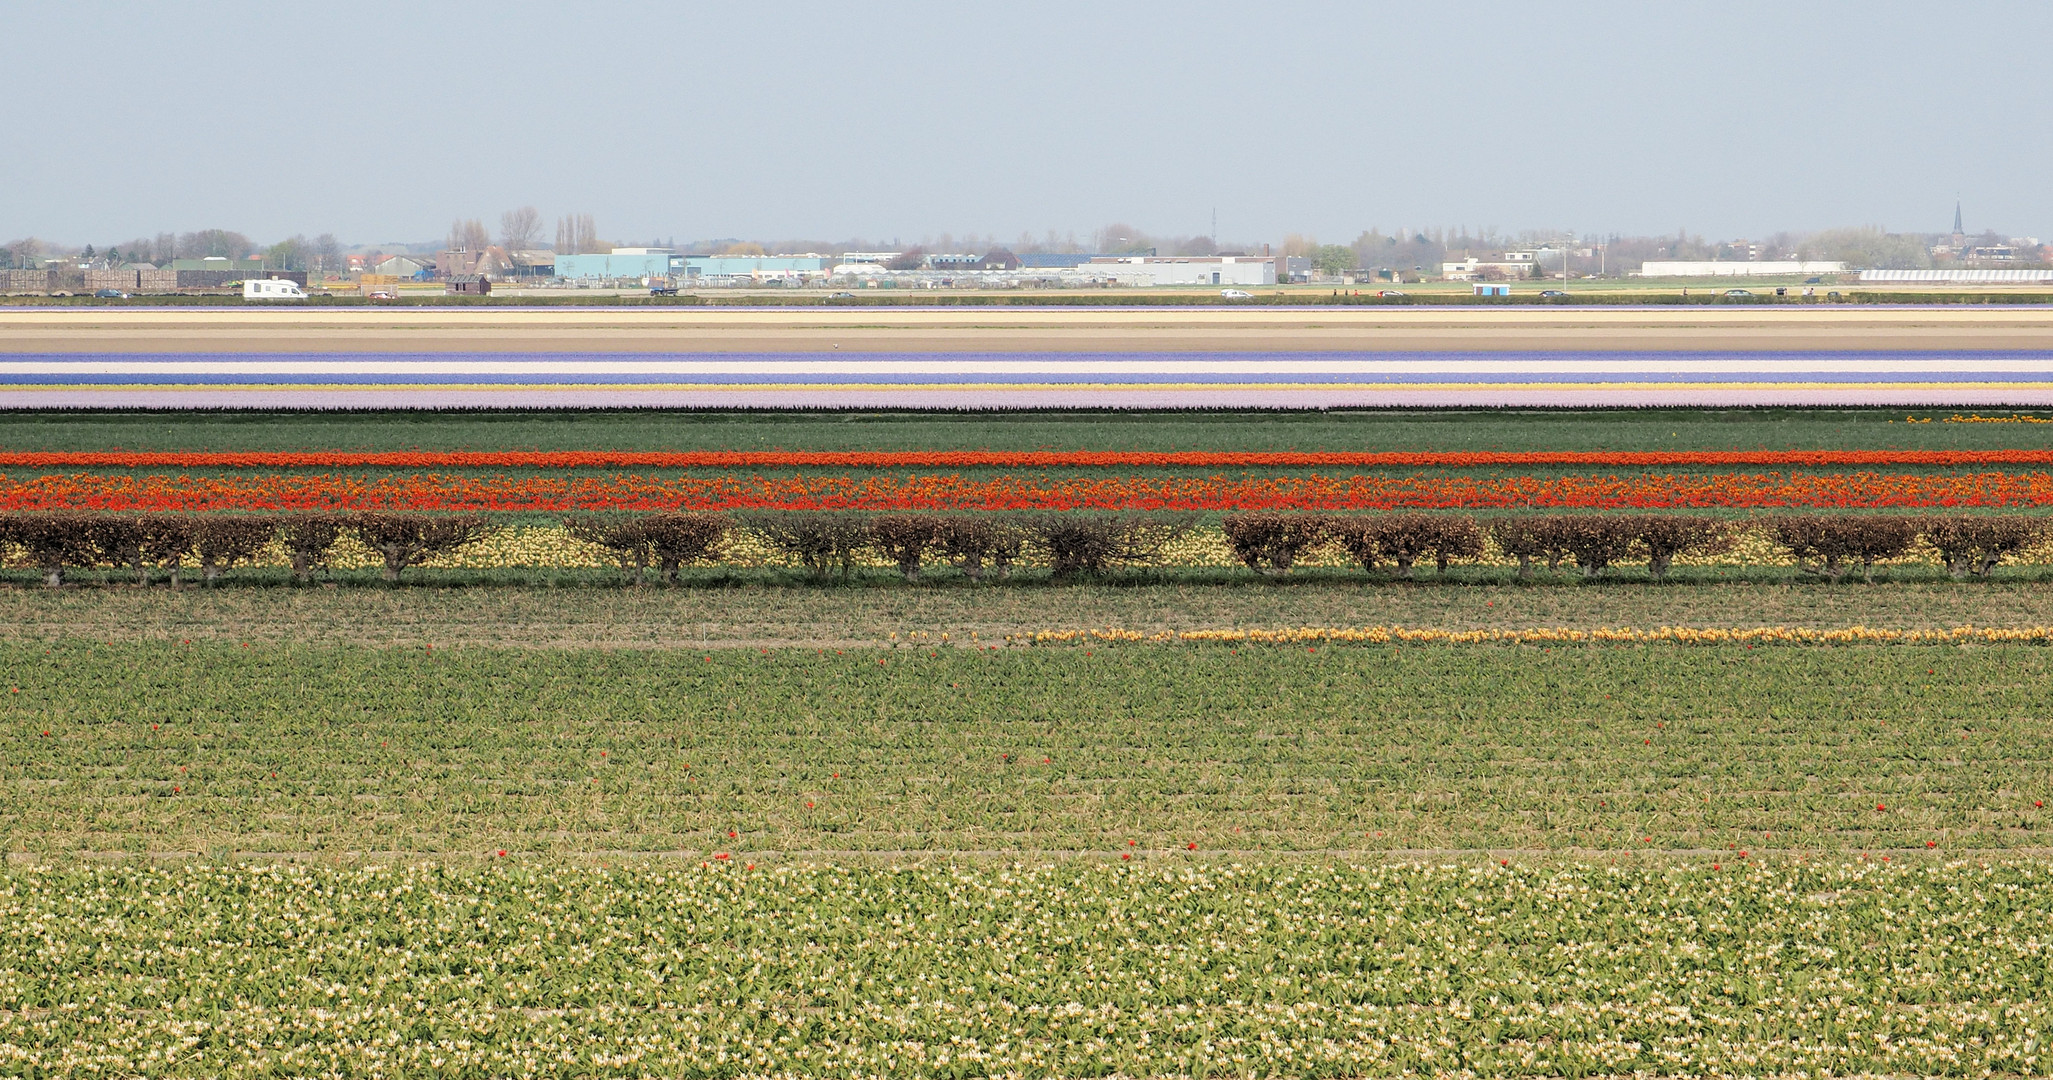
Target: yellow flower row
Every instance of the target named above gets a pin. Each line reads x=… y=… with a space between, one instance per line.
x=1561 y=635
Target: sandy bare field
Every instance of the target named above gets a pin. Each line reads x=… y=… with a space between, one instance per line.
x=674 y=330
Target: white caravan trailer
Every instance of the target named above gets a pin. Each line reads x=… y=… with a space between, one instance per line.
x=272 y=289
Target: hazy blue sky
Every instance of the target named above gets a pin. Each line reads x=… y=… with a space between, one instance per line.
x=382 y=122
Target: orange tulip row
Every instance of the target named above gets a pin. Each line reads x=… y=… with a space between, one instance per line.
x=949 y=491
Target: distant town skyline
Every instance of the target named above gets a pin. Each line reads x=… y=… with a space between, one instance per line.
x=382 y=123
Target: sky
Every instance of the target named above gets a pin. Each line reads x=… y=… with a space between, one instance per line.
x=383 y=122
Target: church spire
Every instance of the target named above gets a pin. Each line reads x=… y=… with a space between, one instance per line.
x=1957 y=230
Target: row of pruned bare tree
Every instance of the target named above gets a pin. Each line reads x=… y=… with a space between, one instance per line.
x=59 y=541
x=1829 y=546
x=1071 y=544
x=827 y=543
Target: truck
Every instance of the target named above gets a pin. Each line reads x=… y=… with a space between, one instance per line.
x=272 y=289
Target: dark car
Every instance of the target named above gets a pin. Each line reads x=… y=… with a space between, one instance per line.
x=1552 y=294
x=662 y=290
x=110 y=294
x=1738 y=294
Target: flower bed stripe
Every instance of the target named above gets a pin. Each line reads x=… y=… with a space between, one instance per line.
x=557 y=493
x=1562 y=635
x=1001 y=459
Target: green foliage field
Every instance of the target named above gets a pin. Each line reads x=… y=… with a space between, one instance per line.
x=225 y=750
x=1318 y=970
x=1358 y=430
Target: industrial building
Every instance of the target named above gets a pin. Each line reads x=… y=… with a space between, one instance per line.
x=1514 y=264
x=1056 y=260
x=716 y=269
x=622 y=264
x=641 y=264
x=1183 y=270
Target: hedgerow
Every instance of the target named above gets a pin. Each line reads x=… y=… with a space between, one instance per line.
x=982 y=546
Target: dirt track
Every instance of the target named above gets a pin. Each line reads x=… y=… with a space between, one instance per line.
x=688 y=330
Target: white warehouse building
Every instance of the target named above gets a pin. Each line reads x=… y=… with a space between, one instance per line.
x=1183 y=270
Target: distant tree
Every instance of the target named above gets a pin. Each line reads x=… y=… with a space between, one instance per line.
x=469 y=235
x=1196 y=246
x=1333 y=258
x=576 y=234
x=25 y=251
x=742 y=248
x=326 y=252
x=1868 y=247
x=87 y=253
x=1120 y=238
x=911 y=258
x=1373 y=250
x=1301 y=245
x=287 y=254
x=208 y=243
x=520 y=230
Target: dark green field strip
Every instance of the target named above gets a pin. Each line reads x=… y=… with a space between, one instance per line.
x=222 y=748
x=1426 y=430
x=591 y=609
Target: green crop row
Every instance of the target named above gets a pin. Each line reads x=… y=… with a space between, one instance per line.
x=218 y=748
x=1448 y=429
x=1176 y=969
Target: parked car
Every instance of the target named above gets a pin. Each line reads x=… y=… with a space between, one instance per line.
x=662 y=290
x=841 y=296
x=1738 y=294
x=1391 y=294
x=110 y=294
x=1552 y=294
x=1236 y=294
x=382 y=294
